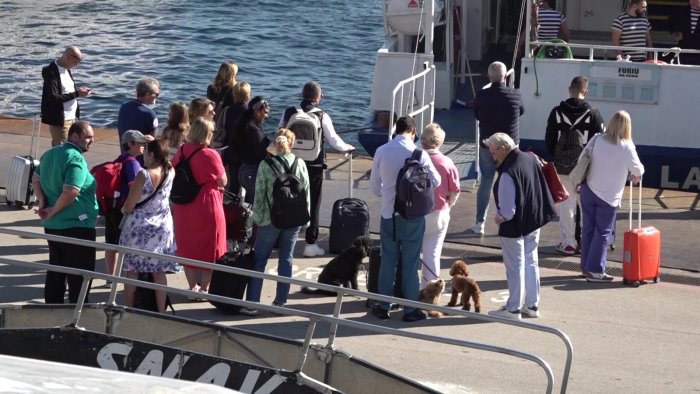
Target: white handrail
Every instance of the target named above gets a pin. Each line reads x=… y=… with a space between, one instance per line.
x=593 y=47
x=334 y=321
x=423 y=106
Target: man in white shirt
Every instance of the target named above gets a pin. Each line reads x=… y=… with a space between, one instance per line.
x=398 y=234
x=59 y=99
x=311 y=99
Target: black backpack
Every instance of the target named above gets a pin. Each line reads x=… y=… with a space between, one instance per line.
x=415 y=189
x=570 y=142
x=185 y=188
x=289 y=207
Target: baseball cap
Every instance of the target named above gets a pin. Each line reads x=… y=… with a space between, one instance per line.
x=133 y=136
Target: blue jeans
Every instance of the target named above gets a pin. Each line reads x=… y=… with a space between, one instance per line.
x=408 y=242
x=264 y=242
x=522 y=270
x=487 y=167
x=598 y=225
x=246 y=177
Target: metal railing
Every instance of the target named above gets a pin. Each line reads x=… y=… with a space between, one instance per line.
x=314 y=318
x=427 y=76
x=676 y=51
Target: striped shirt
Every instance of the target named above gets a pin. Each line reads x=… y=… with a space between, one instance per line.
x=550 y=22
x=634 y=34
x=694 y=15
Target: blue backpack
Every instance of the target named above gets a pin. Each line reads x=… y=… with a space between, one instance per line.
x=415 y=189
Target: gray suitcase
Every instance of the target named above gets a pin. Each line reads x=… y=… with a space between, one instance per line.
x=19 y=182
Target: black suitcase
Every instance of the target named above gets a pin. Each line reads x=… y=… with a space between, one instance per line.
x=146 y=298
x=349 y=219
x=231 y=285
x=375 y=261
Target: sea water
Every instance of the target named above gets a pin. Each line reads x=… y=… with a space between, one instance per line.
x=278 y=44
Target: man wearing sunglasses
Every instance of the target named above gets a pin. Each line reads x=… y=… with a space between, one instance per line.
x=136 y=114
x=59 y=98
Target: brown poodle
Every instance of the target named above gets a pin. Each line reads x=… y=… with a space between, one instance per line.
x=430 y=294
x=462 y=283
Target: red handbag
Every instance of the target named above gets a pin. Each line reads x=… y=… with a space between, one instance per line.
x=556 y=189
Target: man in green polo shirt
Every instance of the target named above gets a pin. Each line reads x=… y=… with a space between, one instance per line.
x=65 y=190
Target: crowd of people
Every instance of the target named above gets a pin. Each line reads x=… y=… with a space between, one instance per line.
x=222 y=139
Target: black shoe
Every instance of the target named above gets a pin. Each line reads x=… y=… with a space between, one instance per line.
x=416 y=315
x=381 y=313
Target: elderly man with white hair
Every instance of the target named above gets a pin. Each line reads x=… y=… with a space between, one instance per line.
x=497 y=108
x=523 y=205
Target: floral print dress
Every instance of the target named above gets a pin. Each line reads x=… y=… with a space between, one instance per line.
x=150 y=228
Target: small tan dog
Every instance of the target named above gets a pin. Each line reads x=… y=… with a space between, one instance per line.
x=430 y=294
x=462 y=283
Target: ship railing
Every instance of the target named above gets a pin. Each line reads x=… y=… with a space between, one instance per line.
x=592 y=48
x=334 y=321
x=412 y=102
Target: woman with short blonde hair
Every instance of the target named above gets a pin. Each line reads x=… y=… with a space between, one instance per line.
x=201 y=131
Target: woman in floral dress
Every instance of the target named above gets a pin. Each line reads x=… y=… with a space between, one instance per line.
x=149 y=226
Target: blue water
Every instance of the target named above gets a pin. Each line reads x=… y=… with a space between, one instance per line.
x=278 y=44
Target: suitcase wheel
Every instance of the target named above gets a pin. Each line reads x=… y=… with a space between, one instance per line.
x=635 y=283
x=9 y=203
x=612 y=246
x=657 y=279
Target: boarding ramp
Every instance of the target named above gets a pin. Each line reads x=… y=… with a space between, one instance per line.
x=312 y=364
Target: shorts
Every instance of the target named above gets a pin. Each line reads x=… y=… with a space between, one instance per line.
x=112 y=231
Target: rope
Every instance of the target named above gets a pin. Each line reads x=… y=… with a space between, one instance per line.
x=517 y=36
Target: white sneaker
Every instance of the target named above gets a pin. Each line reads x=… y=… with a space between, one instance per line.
x=530 y=312
x=477 y=228
x=505 y=313
x=313 y=250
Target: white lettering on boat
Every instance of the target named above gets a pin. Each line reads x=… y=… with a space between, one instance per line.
x=692 y=179
x=152 y=365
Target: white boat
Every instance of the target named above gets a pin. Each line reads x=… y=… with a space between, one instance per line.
x=659 y=97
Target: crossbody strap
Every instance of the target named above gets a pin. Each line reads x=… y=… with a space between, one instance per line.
x=149 y=198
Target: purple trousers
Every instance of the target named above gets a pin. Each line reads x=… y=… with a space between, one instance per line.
x=598 y=225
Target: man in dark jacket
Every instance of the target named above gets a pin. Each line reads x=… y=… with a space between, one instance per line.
x=523 y=205
x=498 y=109
x=570 y=126
x=311 y=96
x=683 y=27
x=59 y=97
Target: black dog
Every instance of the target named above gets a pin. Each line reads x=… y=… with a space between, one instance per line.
x=343 y=269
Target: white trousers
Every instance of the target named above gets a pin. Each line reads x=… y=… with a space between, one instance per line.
x=567 y=212
x=522 y=270
x=436 y=224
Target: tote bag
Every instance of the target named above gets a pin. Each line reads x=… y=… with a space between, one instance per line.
x=578 y=174
x=556 y=188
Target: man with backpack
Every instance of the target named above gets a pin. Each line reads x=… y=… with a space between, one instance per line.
x=570 y=126
x=310 y=148
x=403 y=222
x=114 y=181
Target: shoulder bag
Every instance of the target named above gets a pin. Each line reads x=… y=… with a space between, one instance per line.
x=580 y=171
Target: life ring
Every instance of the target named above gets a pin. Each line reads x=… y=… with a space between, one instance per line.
x=651 y=61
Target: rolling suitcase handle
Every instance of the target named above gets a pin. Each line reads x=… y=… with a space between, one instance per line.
x=36 y=131
x=349 y=156
x=639 y=214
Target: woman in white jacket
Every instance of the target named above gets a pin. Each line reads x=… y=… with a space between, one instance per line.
x=446 y=196
x=613 y=156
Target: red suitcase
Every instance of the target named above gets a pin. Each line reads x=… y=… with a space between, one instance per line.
x=641 y=259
